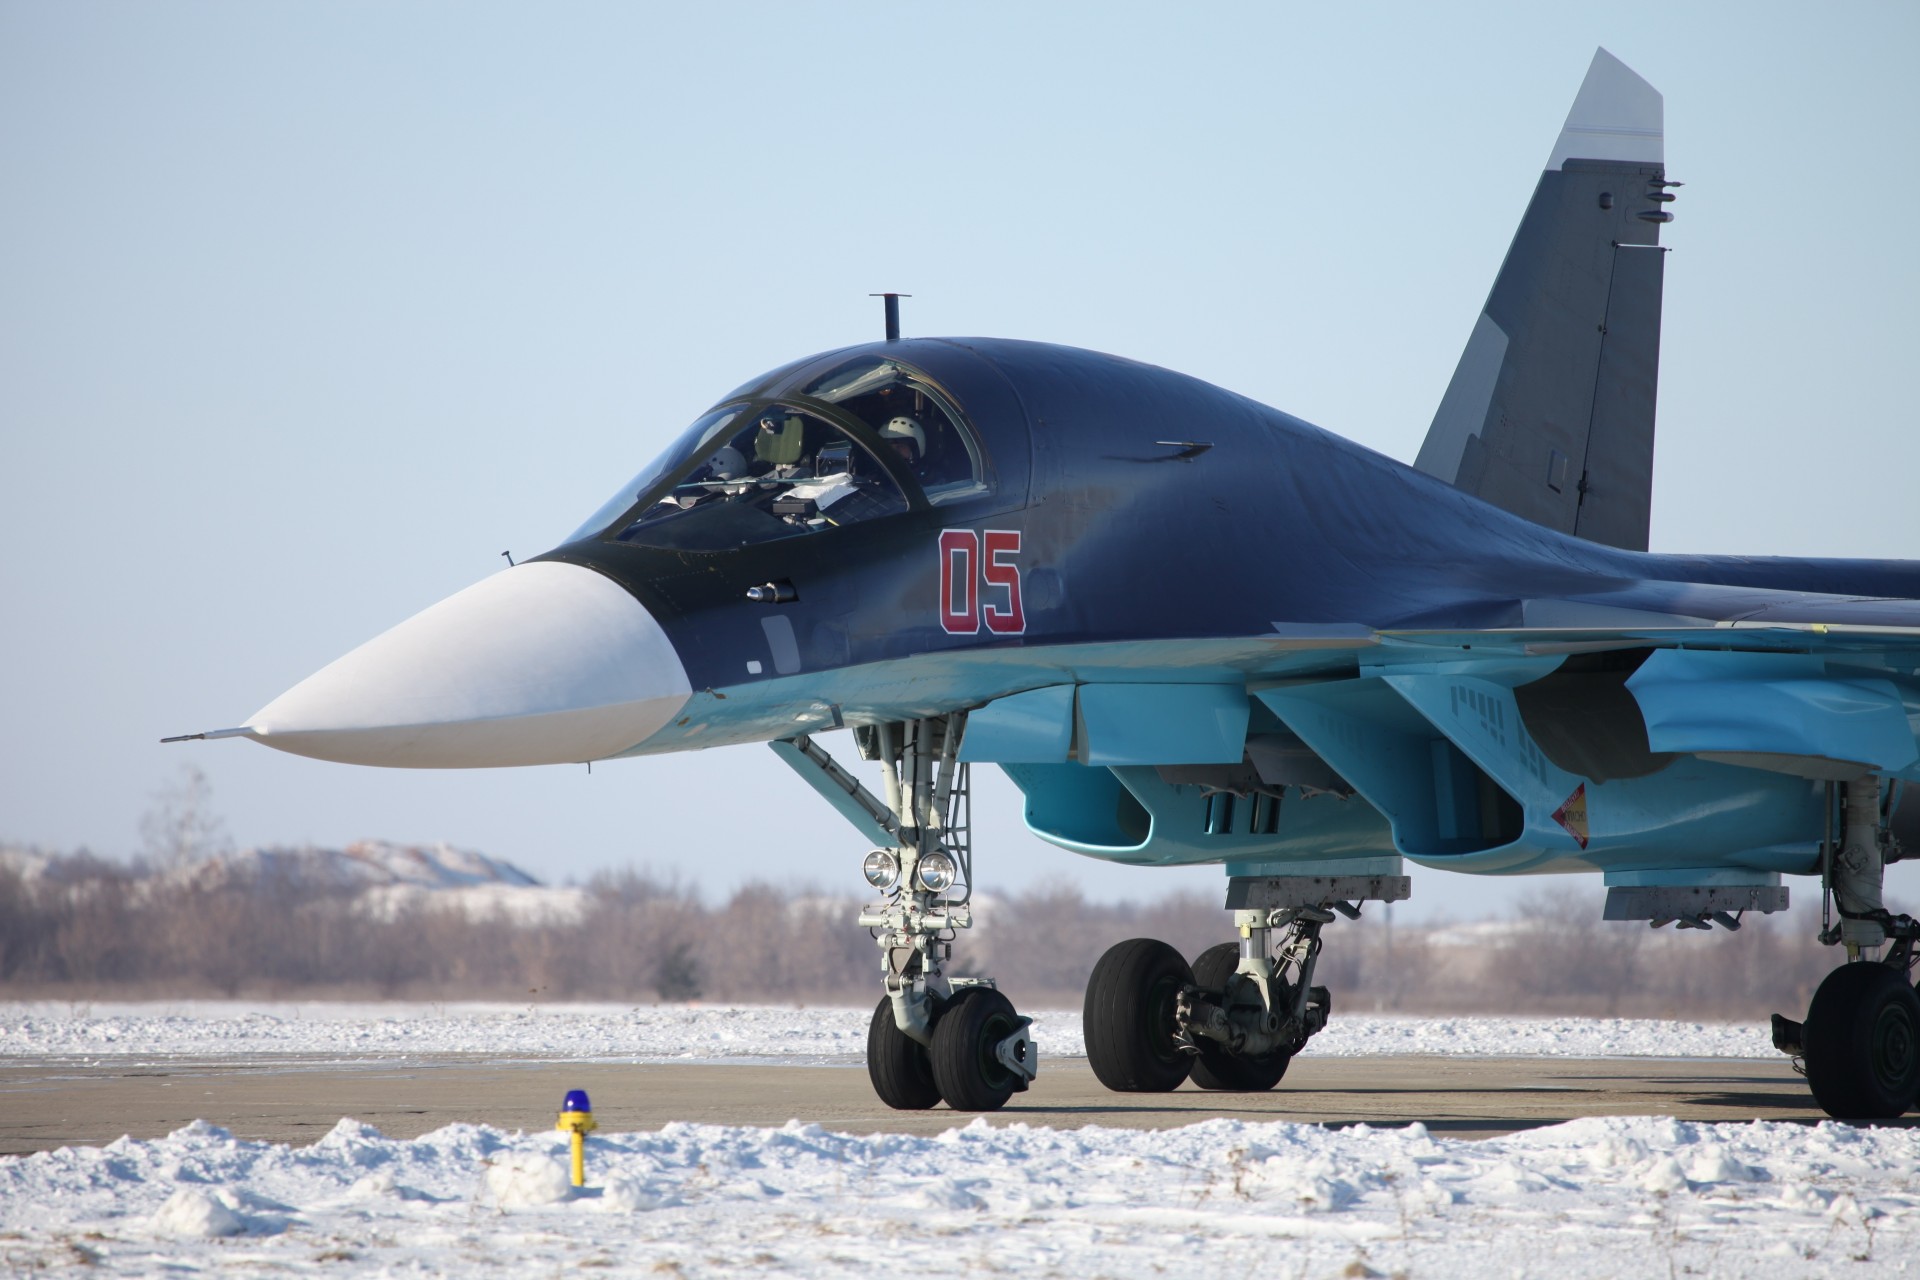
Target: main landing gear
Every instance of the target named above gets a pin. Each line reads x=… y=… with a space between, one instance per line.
x=932 y=1037
x=1233 y=1019
x=1860 y=1044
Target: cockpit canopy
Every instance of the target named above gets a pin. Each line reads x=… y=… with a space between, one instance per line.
x=868 y=439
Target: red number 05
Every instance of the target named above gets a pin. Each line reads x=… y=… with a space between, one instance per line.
x=968 y=559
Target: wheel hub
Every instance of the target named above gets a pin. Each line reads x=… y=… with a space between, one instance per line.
x=1895 y=1042
x=1017 y=1053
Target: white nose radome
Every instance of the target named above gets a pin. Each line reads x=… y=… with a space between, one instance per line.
x=542 y=663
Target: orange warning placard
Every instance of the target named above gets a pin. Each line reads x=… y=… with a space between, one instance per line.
x=1573 y=814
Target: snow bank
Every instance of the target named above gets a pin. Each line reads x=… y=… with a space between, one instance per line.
x=681 y=1032
x=1608 y=1197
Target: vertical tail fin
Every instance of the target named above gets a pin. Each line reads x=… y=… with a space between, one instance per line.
x=1550 y=411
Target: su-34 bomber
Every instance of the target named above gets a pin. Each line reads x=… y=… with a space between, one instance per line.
x=1194 y=629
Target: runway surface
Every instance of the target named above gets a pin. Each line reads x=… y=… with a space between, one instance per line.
x=51 y=1103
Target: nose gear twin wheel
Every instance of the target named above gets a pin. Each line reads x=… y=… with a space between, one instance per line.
x=1129 y=1017
x=1216 y=1067
x=965 y=1055
x=1862 y=1043
x=897 y=1064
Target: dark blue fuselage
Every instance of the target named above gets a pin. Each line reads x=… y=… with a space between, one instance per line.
x=1275 y=524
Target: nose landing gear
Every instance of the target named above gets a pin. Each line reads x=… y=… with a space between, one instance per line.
x=932 y=1037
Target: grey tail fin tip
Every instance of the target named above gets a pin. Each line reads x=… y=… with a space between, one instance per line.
x=1550 y=413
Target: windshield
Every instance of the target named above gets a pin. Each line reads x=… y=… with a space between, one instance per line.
x=635 y=489
x=738 y=476
x=916 y=419
x=778 y=473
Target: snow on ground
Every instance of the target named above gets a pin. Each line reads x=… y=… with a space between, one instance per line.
x=1613 y=1197
x=345 y=1031
x=1602 y=1197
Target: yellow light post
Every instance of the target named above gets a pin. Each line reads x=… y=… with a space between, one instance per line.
x=576 y=1121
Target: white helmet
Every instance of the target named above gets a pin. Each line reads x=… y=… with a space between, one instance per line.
x=726 y=463
x=905 y=428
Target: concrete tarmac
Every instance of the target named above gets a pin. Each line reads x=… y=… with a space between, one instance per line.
x=51 y=1103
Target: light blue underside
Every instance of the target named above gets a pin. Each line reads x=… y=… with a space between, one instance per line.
x=1035 y=727
x=1773 y=704
x=1414 y=724
x=1154 y=724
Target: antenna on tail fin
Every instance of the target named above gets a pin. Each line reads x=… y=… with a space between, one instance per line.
x=1550 y=411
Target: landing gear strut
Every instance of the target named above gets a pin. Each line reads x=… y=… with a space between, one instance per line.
x=1243 y=1038
x=1234 y=1019
x=932 y=1037
x=1860 y=1044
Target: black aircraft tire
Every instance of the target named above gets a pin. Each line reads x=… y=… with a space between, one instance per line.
x=898 y=1065
x=1128 y=1017
x=965 y=1068
x=1215 y=1068
x=1212 y=967
x=1862 y=1043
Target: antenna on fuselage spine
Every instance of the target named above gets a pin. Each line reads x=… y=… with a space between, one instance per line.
x=892 y=301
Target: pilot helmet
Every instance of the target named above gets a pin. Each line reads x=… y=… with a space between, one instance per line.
x=905 y=428
x=726 y=463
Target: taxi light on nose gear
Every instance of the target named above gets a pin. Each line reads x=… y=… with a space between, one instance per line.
x=576 y=1121
x=881 y=869
x=935 y=872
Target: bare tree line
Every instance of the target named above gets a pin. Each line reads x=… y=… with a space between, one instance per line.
x=86 y=928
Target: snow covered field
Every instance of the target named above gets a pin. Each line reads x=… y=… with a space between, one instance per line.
x=682 y=1032
x=1598 y=1197
x=1615 y=1197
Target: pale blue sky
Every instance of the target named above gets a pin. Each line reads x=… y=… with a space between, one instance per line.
x=307 y=311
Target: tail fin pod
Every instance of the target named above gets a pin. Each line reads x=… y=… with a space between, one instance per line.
x=1550 y=411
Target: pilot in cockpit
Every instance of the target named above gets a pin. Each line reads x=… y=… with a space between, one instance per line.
x=724 y=464
x=727 y=463
x=908 y=439
x=926 y=449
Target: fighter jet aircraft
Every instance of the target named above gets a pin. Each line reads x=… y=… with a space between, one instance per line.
x=1195 y=629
